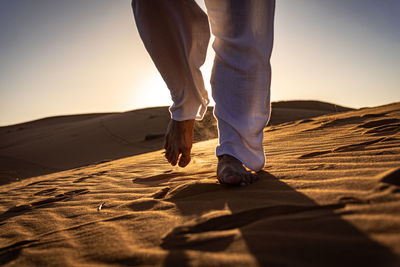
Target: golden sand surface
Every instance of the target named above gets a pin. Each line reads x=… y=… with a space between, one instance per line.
x=61 y=143
x=329 y=195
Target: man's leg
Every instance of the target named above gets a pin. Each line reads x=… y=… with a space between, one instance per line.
x=241 y=83
x=176 y=35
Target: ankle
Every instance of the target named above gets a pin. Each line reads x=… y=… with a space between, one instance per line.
x=185 y=122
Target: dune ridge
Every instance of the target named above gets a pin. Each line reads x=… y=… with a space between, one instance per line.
x=64 y=142
x=328 y=196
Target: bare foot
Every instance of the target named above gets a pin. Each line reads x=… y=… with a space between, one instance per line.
x=178 y=142
x=231 y=171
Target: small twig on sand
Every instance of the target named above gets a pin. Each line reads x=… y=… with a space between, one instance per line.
x=100 y=206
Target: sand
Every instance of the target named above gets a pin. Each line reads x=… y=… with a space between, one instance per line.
x=328 y=196
x=60 y=143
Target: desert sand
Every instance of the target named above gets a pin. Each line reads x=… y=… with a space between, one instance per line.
x=329 y=194
x=60 y=143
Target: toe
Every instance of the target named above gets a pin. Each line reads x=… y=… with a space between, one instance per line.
x=185 y=158
x=174 y=158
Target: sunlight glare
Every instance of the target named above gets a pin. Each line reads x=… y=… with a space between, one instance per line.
x=151 y=92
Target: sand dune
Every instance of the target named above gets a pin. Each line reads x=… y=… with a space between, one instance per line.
x=328 y=196
x=65 y=142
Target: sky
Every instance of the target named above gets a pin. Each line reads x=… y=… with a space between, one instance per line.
x=62 y=57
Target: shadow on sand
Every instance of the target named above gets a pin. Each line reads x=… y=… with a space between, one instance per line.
x=278 y=225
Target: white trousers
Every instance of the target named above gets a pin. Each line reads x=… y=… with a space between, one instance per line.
x=176 y=35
